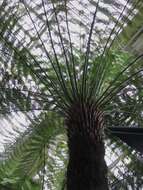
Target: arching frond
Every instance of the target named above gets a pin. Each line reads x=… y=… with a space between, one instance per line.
x=25 y=157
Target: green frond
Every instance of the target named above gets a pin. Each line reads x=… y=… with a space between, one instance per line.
x=25 y=157
x=64 y=68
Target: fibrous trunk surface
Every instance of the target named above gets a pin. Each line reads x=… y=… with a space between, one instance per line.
x=87 y=168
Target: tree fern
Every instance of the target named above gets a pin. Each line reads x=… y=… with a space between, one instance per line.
x=57 y=57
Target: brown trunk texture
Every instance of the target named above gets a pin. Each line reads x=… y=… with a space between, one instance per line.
x=87 y=168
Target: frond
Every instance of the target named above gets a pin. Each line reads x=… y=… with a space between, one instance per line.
x=124 y=163
x=25 y=157
x=57 y=71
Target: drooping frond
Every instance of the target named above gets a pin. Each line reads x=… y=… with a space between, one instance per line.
x=30 y=152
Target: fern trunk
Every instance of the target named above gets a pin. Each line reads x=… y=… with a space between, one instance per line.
x=87 y=168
